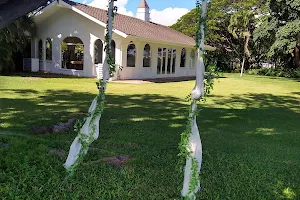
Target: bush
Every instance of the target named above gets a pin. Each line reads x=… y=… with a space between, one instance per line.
x=253 y=71
x=287 y=73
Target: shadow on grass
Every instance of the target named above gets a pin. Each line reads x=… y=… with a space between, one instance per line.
x=176 y=79
x=251 y=141
x=43 y=75
x=52 y=106
x=275 y=77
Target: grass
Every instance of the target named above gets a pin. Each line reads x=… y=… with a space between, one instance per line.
x=249 y=129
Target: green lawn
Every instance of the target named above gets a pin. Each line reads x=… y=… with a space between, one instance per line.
x=250 y=130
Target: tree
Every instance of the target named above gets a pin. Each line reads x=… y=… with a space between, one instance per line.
x=229 y=49
x=241 y=26
x=14 y=38
x=279 y=32
x=187 y=23
x=221 y=14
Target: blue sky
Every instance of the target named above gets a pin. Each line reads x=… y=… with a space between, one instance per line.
x=157 y=4
x=165 y=12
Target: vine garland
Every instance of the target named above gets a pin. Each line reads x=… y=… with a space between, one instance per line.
x=87 y=140
x=108 y=39
x=184 y=146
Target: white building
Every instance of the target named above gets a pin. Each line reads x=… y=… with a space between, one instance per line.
x=70 y=40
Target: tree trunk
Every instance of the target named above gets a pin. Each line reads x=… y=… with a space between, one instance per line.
x=246 y=53
x=246 y=44
x=242 y=68
x=297 y=56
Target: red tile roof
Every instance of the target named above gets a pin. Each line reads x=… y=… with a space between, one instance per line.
x=136 y=27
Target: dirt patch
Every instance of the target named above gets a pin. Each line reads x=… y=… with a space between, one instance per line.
x=60 y=127
x=131 y=144
x=115 y=161
x=58 y=152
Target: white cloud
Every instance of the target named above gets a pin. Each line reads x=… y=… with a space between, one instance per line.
x=120 y=4
x=165 y=17
x=168 y=16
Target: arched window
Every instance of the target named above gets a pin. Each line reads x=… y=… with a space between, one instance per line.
x=183 y=57
x=40 y=49
x=72 y=51
x=48 y=49
x=131 y=54
x=98 y=52
x=147 y=56
x=113 y=49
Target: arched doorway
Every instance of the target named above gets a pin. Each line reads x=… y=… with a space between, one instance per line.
x=98 y=52
x=98 y=58
x=72 y=51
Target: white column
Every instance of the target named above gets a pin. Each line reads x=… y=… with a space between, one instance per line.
x=123 y=50
x=178 y=59
x=154 y=52
x=138 y=69
x=44 y=54
x=118 y=57
x=92 y=68
x=34 y=48
x=139 y=54
x=88 y=60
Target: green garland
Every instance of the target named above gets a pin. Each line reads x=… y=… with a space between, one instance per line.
x=184 y=147
x=198 y=27
x=85 y=140
x=185 y=151
x=107 y=48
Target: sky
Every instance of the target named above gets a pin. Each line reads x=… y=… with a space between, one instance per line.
x=165 y=12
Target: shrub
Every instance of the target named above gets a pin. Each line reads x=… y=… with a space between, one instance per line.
x=287 y=73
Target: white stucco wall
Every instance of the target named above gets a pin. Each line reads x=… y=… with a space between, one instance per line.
x=67 y=23
x=140 y=72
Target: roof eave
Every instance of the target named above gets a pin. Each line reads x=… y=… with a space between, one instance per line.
x=206 y=47
x=38 y=14
x=157 y=41
x=64 y=4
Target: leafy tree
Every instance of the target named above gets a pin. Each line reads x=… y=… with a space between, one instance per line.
x=230 y=49
x=14 y=38
x=241 y=26
x=279 y=32
x=187 y=23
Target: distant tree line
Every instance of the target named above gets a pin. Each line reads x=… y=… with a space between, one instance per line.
x=249 y=33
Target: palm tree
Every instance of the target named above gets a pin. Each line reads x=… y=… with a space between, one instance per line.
x=240 y=27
